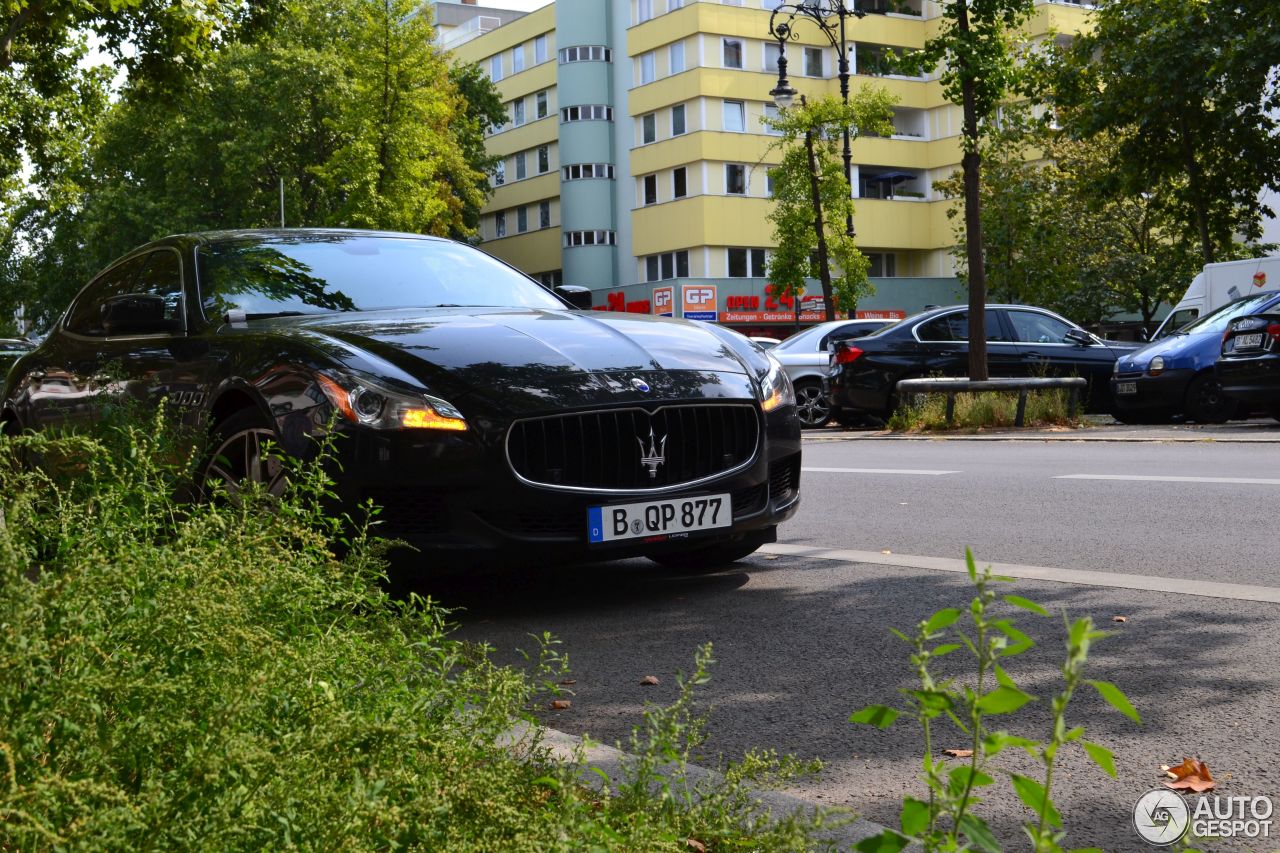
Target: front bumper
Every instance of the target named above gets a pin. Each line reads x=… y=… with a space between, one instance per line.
x=1255 y=380
x=1166 y=392
x=454 y=496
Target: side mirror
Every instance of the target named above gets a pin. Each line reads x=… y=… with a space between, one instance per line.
x=578 y=297
x=1081 y=337
x=136 y=314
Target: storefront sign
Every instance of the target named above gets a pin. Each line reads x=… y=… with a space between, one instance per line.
x=664 y=301
x=699 y=302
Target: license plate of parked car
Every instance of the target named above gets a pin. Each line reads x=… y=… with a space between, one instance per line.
x=1126 y=387
x=1248 y=341
x=615 y=522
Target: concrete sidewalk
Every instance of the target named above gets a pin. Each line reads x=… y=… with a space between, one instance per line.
x=1099 y=428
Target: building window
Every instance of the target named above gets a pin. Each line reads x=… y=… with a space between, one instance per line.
x=544 y=214
x=649 y=128
x=768 y=183
x=540 y=102
x=499 y=173
x=587 y=112
x=771 y=112
x=495 y=68
x=771 y=55
x=735 y=116
x=522 y=219
x=644 y=10
x=746 y=263
x=540 y=49
x=581 y=171
x=520 y=167
x=517 y=59
x=586 y=53
x=500 y=223
x=517 y=112
x=555 y=278
x=676 y=57
x=813 y=62
x=650 y=189
x=648 y=68
x=735 y=179
x=589 y=238
x=679 y=183
x=666 y=266
x=731 y=52
x=677 y=120
x=883 y=264
x=544 y=159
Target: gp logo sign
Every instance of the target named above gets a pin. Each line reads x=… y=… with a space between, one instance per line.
x=664 y=301
x=699 y=302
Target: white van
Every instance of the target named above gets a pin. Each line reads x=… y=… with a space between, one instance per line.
x=1219 y=284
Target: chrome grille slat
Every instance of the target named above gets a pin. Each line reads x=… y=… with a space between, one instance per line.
x=702 y=442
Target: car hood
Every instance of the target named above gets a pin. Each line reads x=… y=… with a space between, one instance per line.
x=531 y=359
x=1170 y=347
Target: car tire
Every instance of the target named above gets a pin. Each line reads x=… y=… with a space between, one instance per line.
x=811 y=405
x=1205 y=402
x=709 y=558
x=237 y=454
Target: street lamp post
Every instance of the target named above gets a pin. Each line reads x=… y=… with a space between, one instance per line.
x=782 y=27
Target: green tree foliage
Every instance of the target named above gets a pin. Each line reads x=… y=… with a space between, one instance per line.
x=974 y=45
x=1182 y=87
x=810 y=237
x=348 y=103
x=1052 y=238
x=485 y=110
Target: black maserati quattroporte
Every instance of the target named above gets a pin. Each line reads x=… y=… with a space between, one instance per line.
x=480 y=410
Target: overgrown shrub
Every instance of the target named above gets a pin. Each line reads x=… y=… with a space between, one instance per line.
x=211 y=676
x=985 y=409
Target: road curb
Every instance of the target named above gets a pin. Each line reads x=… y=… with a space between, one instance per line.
x=598 y=758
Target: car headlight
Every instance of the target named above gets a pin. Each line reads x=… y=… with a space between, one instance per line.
x=1156 y=366
x=366 y=401
x=776 y=389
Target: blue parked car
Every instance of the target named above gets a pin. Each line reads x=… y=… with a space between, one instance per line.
x=1174 y=375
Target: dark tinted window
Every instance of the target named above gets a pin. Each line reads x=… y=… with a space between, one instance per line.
x=1037 y=328
x=955 y=327
x=317 y=274
x=85 y=317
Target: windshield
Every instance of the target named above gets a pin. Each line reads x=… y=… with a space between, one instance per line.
x=805 y=340
x=1216 y=321
x=322 y=273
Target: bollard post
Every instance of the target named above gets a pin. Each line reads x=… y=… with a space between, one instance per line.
x=1071 y=402
x=951 y=406
x=1022 y=407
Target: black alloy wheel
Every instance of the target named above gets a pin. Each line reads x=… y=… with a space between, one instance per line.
x=1206 y=404
x=240 y=454
x=811 y=405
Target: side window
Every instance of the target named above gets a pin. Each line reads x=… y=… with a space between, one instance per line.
x=1034 y=327
x=154 y=303
x=844 y=333
x=85 y=317
x=955 y=327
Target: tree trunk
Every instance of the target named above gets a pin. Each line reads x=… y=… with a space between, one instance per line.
x=971 y=164
x=1195 y=183
x=819 y=227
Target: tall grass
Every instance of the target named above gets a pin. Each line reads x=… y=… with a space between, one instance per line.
x=982 y=410
x=212 y=676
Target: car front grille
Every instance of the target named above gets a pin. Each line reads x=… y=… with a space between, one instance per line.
x=749 y=500
x=408 y=512
x=784 y=479
x=634 y=449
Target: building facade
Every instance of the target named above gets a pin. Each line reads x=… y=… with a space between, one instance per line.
x=634 y=158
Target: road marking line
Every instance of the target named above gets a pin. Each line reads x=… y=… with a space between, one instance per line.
x=921 y=471
x=1257 y=481
x=1146 y=583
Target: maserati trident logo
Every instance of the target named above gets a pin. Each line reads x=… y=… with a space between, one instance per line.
x=654 y=455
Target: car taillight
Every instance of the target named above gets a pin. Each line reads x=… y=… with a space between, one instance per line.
x=1274 y=331
x=846 y=354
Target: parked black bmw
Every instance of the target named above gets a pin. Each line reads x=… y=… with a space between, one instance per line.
x=1249 y=367
x=1022 y=340
x=479 y=409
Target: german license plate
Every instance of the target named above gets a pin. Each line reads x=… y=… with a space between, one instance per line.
x=1249 y=341
x=616 y=522
x=1126 y=387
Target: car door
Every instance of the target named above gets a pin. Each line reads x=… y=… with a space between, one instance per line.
x=1047 y=351
x=944 y=344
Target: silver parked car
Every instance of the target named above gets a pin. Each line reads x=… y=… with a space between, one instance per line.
x=806 y=358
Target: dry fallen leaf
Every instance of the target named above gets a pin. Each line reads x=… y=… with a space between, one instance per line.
x=1190 y=775
x=569 y=681
x=958 y=753
x=560 y=704
x=771 y=556
x=696 y=845
x=649 y=680
x=885 y=551
x=1119 y=618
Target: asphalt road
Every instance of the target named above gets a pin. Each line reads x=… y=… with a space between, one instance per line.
x=801 y=634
